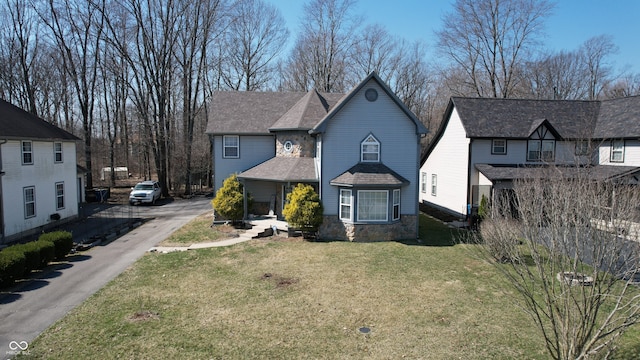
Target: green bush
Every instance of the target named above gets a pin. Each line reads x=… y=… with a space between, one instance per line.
x=31 y=253
x=62 y=240
x=47 y=252
x=12 y=266
x=304 y=209
x=229 y=201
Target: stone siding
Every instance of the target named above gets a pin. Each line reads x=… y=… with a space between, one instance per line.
x=333 y=228
x=303 y=144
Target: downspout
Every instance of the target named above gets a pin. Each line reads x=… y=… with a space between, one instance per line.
x=2 y=142
x=469 y=162
x=417 y=186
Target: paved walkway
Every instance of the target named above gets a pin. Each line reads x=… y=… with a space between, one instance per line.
x=258 y=226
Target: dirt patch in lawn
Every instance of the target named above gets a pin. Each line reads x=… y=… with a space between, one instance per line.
x=279 y=281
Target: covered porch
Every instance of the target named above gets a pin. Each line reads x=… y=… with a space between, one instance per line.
x=268 y=184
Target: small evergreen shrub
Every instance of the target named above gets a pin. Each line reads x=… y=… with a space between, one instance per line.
x=31 y=252
x=47 y=252
x=62 y=241
x=229 y=201
x=12 y=266
x=303 y=209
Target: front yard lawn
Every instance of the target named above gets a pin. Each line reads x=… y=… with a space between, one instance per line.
x=280 y=298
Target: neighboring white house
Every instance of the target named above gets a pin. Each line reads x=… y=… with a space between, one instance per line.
x=39 y=182
x=484 y=144
x=359 y=150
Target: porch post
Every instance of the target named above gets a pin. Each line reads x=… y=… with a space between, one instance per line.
x=244 y=200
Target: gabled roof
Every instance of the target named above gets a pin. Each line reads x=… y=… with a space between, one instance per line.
x=16 y=123
x=515 y=118
x=567 y=119
x=321 y=126
x=254 y=112
x=283 y=169
x=618 y=118
x=306 y=113
x=369 y=174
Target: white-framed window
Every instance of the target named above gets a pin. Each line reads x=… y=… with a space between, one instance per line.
x=370 y=149
x=346 y=206
x=423 y=183
x=617 y=151
x=27 y=152
x=231 y=146
x=396 y=204
x=434 y=184
x=29 y=199
x=59 y=195
x=373 y=205
x=499 y=146
x=57 y=152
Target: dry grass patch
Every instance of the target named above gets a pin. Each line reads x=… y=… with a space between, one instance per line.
x=269 y=299
x=200 y=230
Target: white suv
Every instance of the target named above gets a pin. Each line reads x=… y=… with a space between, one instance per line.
x=145 y=192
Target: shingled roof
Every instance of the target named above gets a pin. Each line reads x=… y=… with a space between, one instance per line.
x=16 y=123
x=369 y=174
x=571 y=119
x=253 y=112
x=279 y=168
x=513 y=172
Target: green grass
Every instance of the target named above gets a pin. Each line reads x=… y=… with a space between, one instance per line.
x=288 y=299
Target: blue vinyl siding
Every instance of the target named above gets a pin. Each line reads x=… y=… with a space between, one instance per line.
x=254 y=149
x=399 y=145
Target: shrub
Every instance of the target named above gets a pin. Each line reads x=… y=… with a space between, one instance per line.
x=31 y=252
x=12 y=266
x=500 y=236
x=47 y=252
x=62 y=241
x=304 y=209
x=229 y=201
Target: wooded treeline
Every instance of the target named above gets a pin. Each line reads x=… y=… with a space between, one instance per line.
x=133 y=78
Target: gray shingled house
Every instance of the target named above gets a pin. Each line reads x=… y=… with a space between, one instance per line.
x=39 y=182
x=484 y=144
x=359 y=150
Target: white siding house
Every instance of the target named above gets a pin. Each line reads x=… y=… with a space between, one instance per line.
x=359 y=150
x=39 y=179
x=484 y=144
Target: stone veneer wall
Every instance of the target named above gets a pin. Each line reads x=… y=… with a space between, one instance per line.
x=303 y=144
x=333 y=228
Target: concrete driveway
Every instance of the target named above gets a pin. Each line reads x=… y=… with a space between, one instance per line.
x=32 y=306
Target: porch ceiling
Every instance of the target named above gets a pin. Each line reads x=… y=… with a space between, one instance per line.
x=283 y=169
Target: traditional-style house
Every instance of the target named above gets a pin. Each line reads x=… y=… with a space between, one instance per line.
x=39 y=183
x=484 y=144
x=359 y=150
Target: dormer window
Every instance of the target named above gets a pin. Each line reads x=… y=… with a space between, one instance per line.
x=540 y=146
x=370 y=150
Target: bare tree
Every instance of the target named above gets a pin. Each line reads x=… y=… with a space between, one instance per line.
x=628 y=85
x=256 y=36
x=599 y=72
x=556 y=76
x=201 y=24
x=488 y=39
x=24 y=29
x=320 y=55
x=77 y=27
x=568 y=246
